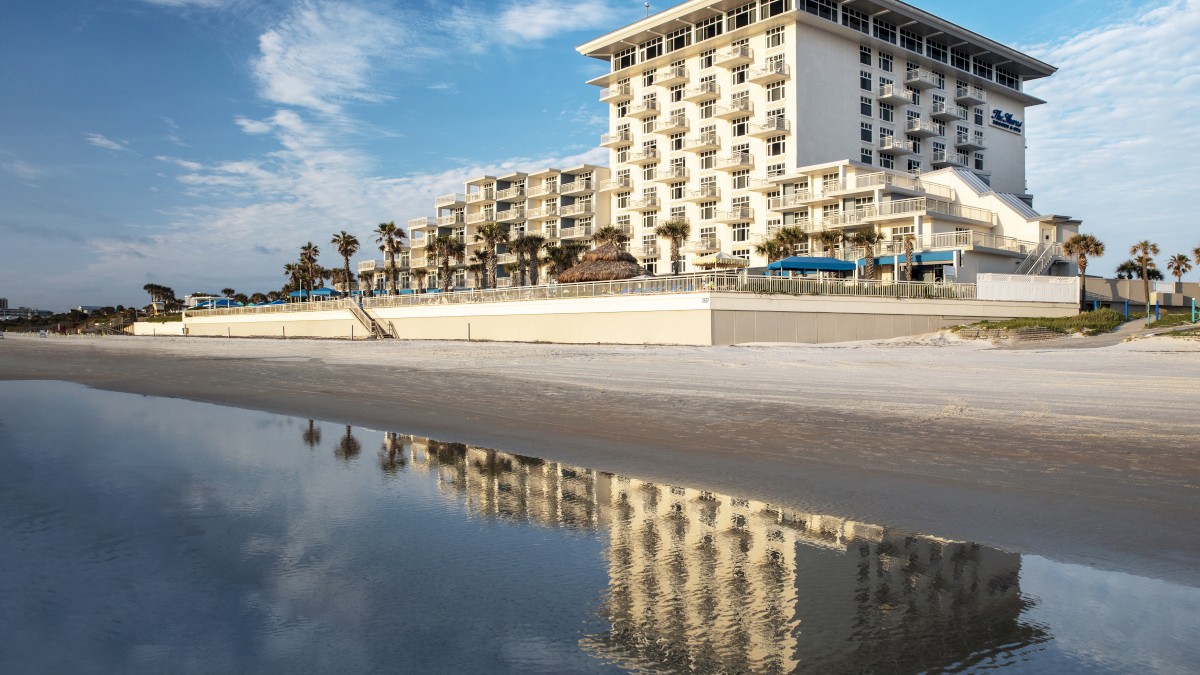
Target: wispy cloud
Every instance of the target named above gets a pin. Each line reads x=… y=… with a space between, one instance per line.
x=188 y=3
x=1112 y=143
x=101 y=141
x=22 y=169
x=524 y=24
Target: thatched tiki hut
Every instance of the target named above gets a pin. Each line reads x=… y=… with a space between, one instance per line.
x=604 y=263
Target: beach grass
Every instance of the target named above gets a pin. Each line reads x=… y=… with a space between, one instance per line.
x=1088 y=323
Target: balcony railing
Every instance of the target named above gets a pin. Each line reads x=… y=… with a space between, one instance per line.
x=671 y=174
x=578 y=186
x=893 y=93
x=422 y=222
x=970 y=95
x=894 y=144
x=771 y=72
x=919 y=127
x=702 y=143
x=543 y=190
x=948 y=113
x=451 y=220
x=480 y=217
x=772 y=127
x=670 y=75
x=615 y=183
x=672 y=125
x=735 y=214
x=576 y=209
x=577 y=232
x=646 y=156
x=643 y=110
x=369 y=266
x=542 y=212
x=510 y=215
x=616 y=94
x=702 y=92
x=644 y=204
x=644 y=251
x=738 y=107
x=511 y=194
x=790 y=202
x=920 y=78
x=452 y=198
x=702 y=245
x=481 y=196
x=740 y=160
x=944 y=158
x=904 y=207
x=705 y=193
x=970 y=142
x=622 y=137
x=734 y=56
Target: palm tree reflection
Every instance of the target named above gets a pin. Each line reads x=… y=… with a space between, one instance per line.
x=312 y=434
x=348 y=447
x=391 y=453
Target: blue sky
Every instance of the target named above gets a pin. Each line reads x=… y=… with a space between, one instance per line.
x=199 y=143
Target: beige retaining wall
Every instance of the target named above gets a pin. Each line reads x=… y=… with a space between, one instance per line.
x=330 y=324
x=152 y=328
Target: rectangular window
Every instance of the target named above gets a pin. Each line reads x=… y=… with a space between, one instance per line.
x=678 y=212
x=885 y=31
x=979 y=116
x=776 y=146
x=774 y=170
x=677 y=142
x=677 y=92
x=885 y=62
x=624 y=58
x=648 y=78
x=708 y=29
x=649 y=220
x=679 y=39
x=865 y=80
x=983 y=69
x=708 y=159
x=936 y=51
x=775 y=91
x=856 y=20
x=738 y=75
x=648 y=172
x=741 y=17
x=887 y=112
x=1008 y=79
x=864 y=55
x=622 y=200
x=741 y=232
x=864 y=105
x=740 y=127
x=886 y=161
x=960 y=59
x=865 y=132
x=652 y=49
x=741 y=180
x=708 y=210
x=979 y=161
x=706 y=58
x=706 y=109
x=775 y=37
x=914 y=144
x=911 y=41
x=677 y=190
x=915 y=96
x=826 y=9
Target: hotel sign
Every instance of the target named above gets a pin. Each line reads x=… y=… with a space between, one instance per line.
x=1006 y=121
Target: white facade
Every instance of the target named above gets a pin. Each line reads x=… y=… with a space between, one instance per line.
x=724 y=114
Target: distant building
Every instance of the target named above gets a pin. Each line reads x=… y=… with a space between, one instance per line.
x=10 y=314
x=3 y=303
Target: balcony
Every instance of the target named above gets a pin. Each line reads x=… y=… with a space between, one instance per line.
x=920 y=128
x=970 y=142
x=895 y=94
x=643 y=110
x=480 y=197
x=512 y=194
x=644 y=157
x=506 y=258
x=970 y=95
x=510 y=215
x=762 y=185
x=447 y=201
x=736 y=214
x=919 y=78
x=948 y=113
x=737 y=162
x=797 y=201
x=543 y=190
x=616 y=94
x=422 y=222
x=702 y=92
x=706 y=193
x=481 y=217
x=579 y=232
x=702 y=245
x=734 y=56
x=452 y=220
x=576 y=210
x=942 y=159
x=702 y=143
x=672 y=125
x=644 y=251
x=671 y=75
x=621 y=138
x=671 y=174
x=882 y=179
x=894 y=145
x=542 y=213
x=418 y=261
x=622 y=183
x=772 y=72
x=774 y=126
x=643 y=204
x=371 y=266
x=738 y=107
x=418 y=241
x=904 y=208
x=579 y=186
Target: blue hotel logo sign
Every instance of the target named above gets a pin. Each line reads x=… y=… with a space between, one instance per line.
x=1006 y=121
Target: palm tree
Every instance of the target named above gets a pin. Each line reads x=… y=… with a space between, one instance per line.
x=828 y=239
x=790 y=238
x=909 y=257
x=773 y=249
x=560 y=259
x=389 y=236
x=259 y=298
x=453 y=249
x=1143 y=253
x=1082 y=246
x=434 y=251
x=308 y=262
x=475 y=267
x=348 y=447
x=419 y=274
x=492 y=235
x=609 y=234
x=293 y=272
x=677 y=231
x=1179 y=265
x=868 y=240
x=533 y=244
x=347 y=245
x=228 y=292
x=517 y=245
x=1196 y=254
x=1128 y=270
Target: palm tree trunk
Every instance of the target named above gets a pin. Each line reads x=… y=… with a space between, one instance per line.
x=674 y=256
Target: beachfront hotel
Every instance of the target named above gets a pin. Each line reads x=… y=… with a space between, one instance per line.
x=743 y=118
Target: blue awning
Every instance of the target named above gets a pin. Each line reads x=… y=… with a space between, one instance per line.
x=799 y=263
x=926 y=258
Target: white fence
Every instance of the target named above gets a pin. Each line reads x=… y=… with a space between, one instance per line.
x=1027 y=288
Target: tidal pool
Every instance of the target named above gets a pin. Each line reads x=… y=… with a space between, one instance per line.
x=148 y=535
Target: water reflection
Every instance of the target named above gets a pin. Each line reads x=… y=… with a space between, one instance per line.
x=700 y=581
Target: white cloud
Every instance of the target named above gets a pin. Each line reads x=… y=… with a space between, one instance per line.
x=188 y=3
x=1113 y=146
x=102 y=142
x=523 y=24
x=22 y=169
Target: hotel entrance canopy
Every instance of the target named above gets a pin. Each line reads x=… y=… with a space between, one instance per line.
x=802 y=264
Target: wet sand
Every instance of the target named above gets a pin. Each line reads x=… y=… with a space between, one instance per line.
x=1088 y=456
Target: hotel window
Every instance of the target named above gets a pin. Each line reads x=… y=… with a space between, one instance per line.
x=551 y=228
x=622 y=155
x=886 y=161
x=708 y=210
x=979 y=161
x=912 y=115
x=677 y=142
x=709 y=132
x=709 y=28
x=940 y=128
x=708 y=234
x=708 y=159
x=775 y=91
x=622 y=177
x=740 y=203
x=741 y=180
x=650 y=265
x=708 y=183
x=776 y=146
x=963 y=132
x=622 y=108
x=939 y=149
x=649 y=241
x=826 y=9
x=772 y=8
x=774 y=170
x=979 y=138
x=623 y=222
x=648 y=78
x=649 y=220
x=741 y=17
x=652 y=49
x=677 y=93
x=856 y=20
x=741 y=232
x=864 y=105
x=914 y=166
x=706 y=109
x=624 y=58
x=865 y=80
x=649 y=172
x=885 y=62
x=648 y=126
x=650 y=194
x=864 y=132
x=740 y=127
x=979 y=116
x=887 y=112
x=936 y=51
x=677 y=190
x=940 y=77
x=773 y=115
x=911 y=41
x=740 y=149
x=914 y=144
x=885 y=31
x=885 y=132
x=622 y=200
x=983 y=69
x=1008 y=79
x=679 y=39
x=864 y=55
x=738 y=75
x=960 y=59
x=775 y=37
x=706 y=58
x=678 y=213
x=914 y=96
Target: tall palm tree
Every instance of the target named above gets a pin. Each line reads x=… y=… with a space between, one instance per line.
x=347 y=245
x=868 y=240
x=475 y=267
x=419 y=274
x=389 y=236
x=228 y=292
x=1196 y=254
x=308 y=261
x=790 y=238
x=533 y=244
x=773 y=249
x=609 y=234
x=1081 y=246
x=560 y=258
x=293 y=272
x=1128 y=270
x=677 y=231
x=1143 y=254
x=828 y=239
x=909 y=257
x=1179 y=265
x=433 y=251
x=453 y=250
x=517 y=245
x=492 y=235
x=259 y=298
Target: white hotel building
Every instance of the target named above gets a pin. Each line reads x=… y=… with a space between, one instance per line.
x=744 y=117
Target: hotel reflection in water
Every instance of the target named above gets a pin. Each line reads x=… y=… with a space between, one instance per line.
x=705 y=582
